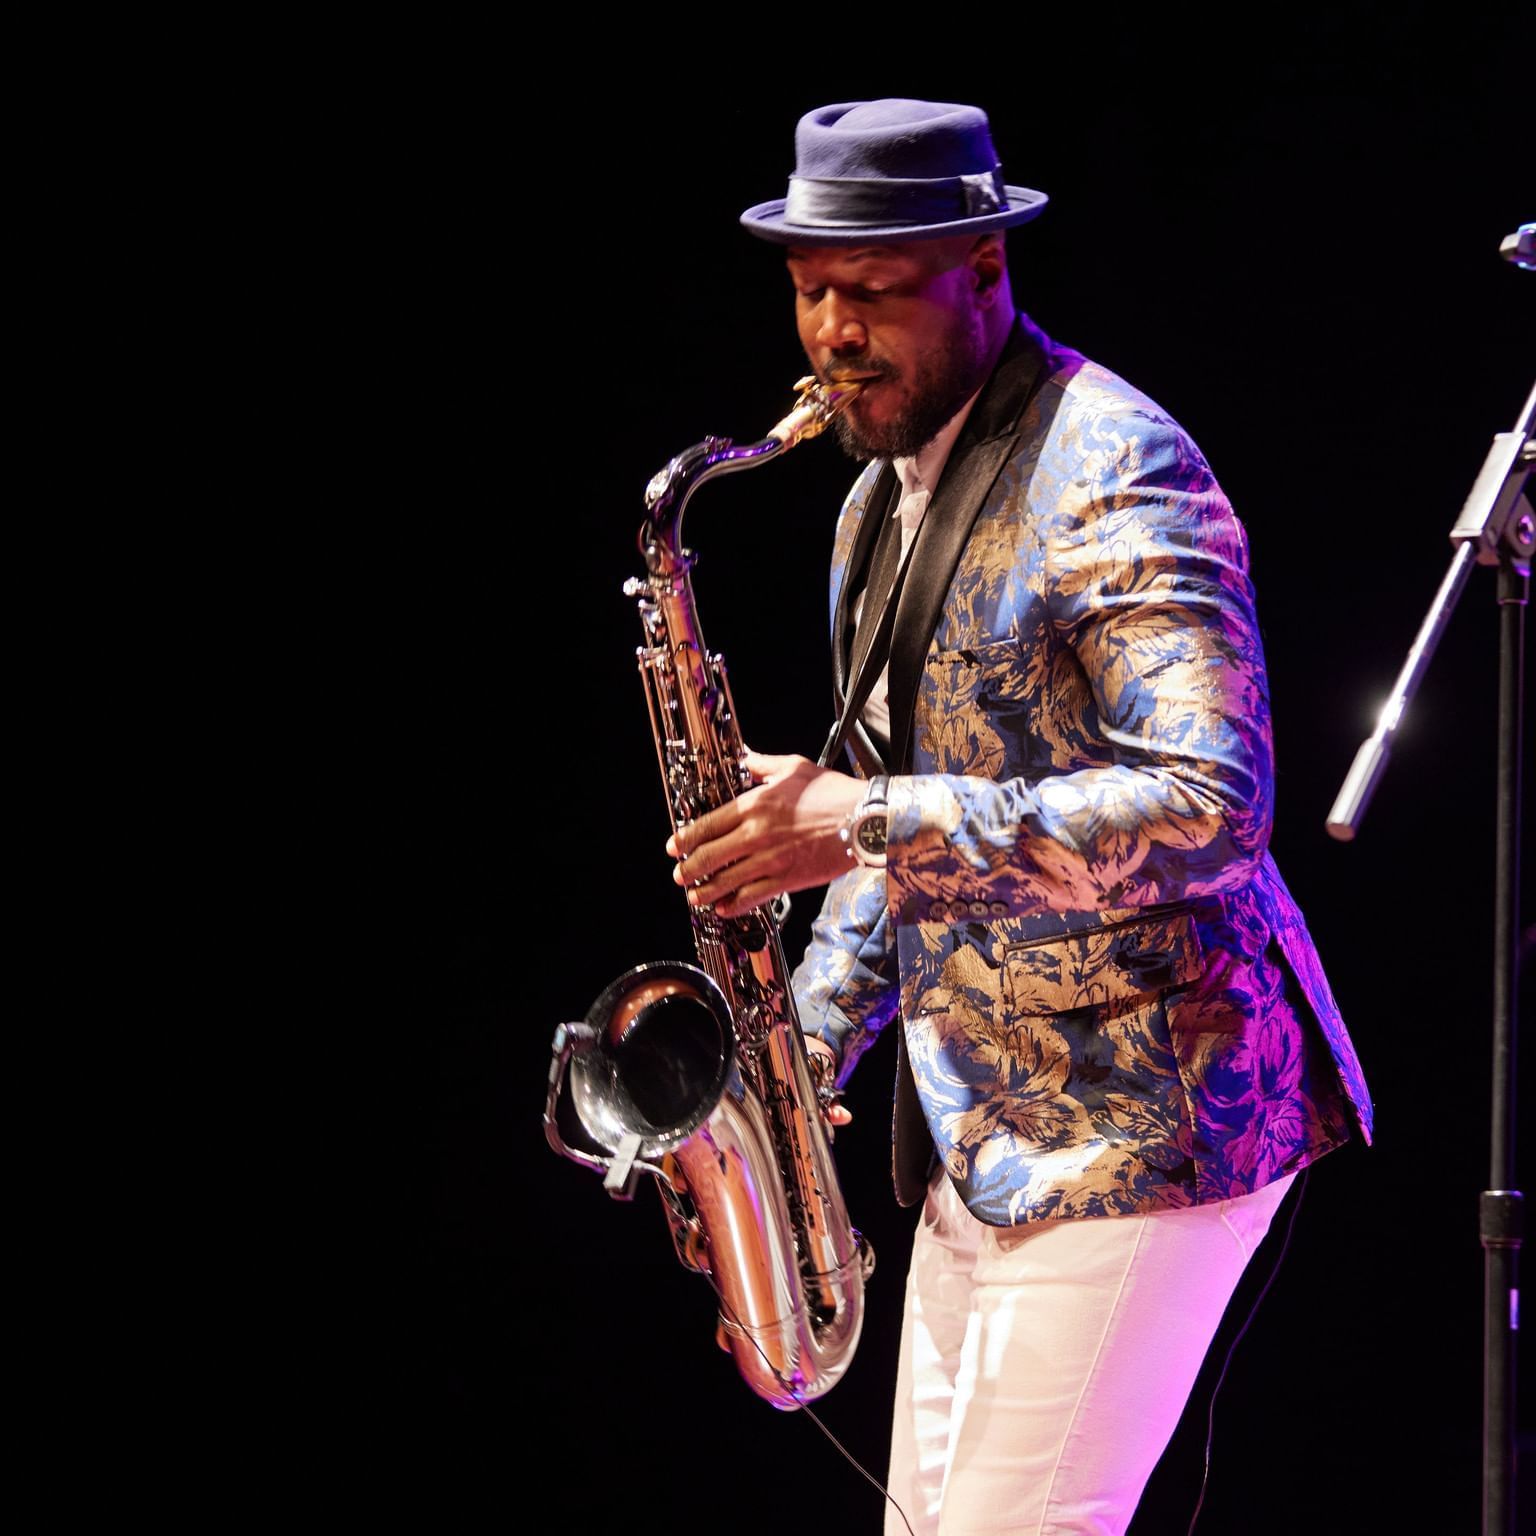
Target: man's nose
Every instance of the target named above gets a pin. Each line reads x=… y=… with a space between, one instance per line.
x=840 y=328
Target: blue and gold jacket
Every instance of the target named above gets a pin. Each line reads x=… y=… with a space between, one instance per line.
x=1108 y=999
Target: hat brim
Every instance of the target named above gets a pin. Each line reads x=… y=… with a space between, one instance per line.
x=767 y=222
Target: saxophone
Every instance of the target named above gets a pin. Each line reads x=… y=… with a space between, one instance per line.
x=700 y=1077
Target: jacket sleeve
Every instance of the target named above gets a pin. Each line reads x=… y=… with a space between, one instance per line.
x=846 y=986
x=1142 y=567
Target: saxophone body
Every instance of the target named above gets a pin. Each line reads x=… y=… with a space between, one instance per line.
x=699 y=1075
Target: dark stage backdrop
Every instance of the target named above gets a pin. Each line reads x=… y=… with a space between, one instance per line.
x=1302 y=268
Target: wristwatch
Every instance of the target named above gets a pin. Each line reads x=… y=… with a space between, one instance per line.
x=865 y=830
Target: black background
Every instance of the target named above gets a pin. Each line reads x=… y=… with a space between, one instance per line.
x=520 y=297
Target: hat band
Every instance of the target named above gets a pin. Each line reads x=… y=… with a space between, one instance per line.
x=854 y=203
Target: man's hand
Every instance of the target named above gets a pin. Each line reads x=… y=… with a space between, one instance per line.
x=835 y=1113
x=783 y=835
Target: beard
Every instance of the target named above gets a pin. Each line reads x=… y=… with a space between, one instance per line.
x=941 y=383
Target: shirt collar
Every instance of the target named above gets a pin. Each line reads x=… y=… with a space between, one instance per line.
x=923 y=470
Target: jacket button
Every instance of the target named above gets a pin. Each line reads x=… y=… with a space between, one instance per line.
x=978 y=909
x=938 y=911
x=999 y=909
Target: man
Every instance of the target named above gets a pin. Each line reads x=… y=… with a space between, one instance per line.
x=1116 y=1047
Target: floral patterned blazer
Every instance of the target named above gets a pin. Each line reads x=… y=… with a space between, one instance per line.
x=1107 y=997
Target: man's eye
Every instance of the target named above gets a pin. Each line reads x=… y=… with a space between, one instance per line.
x=862 y=295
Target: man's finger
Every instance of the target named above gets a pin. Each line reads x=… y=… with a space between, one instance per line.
x=705 y=829
x=739 y=887
x=752 y=894
x=762 y=765
x=709 y=858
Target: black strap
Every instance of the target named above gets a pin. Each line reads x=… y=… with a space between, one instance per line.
x=881 y=582
x=879 y=649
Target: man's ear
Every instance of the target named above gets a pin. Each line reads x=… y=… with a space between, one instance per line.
x=988 y=261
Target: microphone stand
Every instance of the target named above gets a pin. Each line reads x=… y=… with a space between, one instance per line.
x=1497 y=527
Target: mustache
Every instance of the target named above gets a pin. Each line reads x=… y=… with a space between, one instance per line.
x=869 y=369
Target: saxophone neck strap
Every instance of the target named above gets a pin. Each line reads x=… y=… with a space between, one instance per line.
x=871 y=666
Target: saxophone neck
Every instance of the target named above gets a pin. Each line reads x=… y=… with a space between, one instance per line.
x=670 y=488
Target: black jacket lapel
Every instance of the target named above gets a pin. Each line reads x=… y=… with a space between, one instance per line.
x=877 y=510
x=876 y=505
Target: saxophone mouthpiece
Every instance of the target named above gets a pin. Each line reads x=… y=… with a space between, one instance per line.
x=819 y=402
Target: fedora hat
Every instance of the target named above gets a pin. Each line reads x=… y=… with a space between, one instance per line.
x=892 y=170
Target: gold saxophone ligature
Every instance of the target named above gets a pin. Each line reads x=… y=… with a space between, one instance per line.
x=698 y=1075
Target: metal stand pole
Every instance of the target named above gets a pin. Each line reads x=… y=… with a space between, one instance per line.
x=1499 y=1207
x=1496 y=527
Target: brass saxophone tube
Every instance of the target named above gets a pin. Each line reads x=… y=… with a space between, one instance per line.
x=699 y=1077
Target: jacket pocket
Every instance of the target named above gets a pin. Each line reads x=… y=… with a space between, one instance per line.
x=973 y=709
x=991 y=670
x=1123 y=962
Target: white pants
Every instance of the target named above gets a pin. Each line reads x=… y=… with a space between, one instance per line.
x=1044 y=1368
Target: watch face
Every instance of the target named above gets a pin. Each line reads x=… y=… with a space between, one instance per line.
x=871 y=834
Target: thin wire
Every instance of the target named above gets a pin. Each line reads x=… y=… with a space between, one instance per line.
x=863 y=1472
x=804 y=1406
x=1210 y=1422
